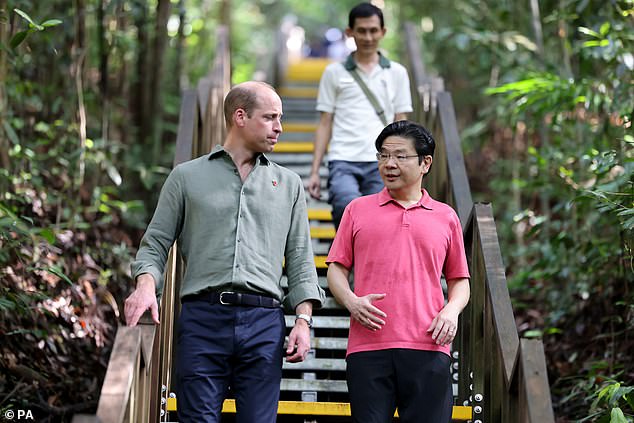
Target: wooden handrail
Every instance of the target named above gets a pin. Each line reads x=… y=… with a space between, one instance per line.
x=138 y=377
x=502 y=377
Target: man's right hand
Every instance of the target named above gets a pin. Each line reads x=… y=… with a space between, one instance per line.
x=142 y=299
x=314 y=186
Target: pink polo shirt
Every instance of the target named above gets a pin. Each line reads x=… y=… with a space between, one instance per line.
x=402 y=253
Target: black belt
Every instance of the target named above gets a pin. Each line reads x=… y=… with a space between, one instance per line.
x=233 y=298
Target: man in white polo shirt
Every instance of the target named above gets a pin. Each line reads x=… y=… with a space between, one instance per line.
x=349 y=120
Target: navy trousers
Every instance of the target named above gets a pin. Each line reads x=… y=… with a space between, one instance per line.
x=417 y=382
x=222 y=348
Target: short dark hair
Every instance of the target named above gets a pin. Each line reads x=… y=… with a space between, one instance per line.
x=242 y=96
x=364 y=10
x=422 y=139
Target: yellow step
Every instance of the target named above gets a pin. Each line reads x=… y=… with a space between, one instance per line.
x=306 y=70
x=297 y=92
x=319 y=214
x=320 y=262
x=294 y=147
x=461 y=413
x=299 y=127
x=322 y=232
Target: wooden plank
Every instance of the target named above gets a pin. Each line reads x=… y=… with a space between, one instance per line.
x=187 y=127
x=323 y=322
x=502 y=310
x=115 y=391
x=314 y=385
x=455 y=160
x=329 y=364
x=148 y=331
x=327 y=343
x=533 y=364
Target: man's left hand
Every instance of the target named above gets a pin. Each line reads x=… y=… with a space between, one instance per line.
x=444 y=327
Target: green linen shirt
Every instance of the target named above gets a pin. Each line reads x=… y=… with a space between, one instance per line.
x=233 y=236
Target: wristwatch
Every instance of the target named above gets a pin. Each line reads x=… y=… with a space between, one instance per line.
x=306 y=318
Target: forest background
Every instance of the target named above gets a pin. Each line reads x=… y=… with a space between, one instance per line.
x=89 y=100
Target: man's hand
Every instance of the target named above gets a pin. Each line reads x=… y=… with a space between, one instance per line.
x=314 y=186
x=142 y=299
x=362 y=310
x=298 y=342
x=445 y=325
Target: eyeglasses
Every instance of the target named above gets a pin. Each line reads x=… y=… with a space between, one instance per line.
x=384 y=157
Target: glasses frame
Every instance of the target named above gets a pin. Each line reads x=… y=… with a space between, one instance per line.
x=399 y=158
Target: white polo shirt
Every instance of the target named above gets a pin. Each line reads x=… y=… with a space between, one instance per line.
x=356 y=124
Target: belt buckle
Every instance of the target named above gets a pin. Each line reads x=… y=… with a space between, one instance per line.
x=221 y=300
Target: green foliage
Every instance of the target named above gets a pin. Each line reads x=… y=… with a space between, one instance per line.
x=20 y=36
x=610 y=401
x=549 y=130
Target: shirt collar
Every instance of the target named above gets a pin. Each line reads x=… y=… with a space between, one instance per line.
x=219 y=151
x=350 y=64
x=424 y=202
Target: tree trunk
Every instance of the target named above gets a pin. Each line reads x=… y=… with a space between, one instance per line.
x=180 y=43
x=79 y=55
x=120 y=85
x=138 y=92
x=103 y=69
x=4 y=40
x=156 y=88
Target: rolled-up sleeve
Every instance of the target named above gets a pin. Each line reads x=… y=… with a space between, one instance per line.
x=300 y=265
x=163 y=230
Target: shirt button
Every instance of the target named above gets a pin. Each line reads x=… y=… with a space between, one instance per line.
x=239 y=240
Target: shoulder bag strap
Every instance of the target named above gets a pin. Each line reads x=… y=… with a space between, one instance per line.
x=375 y=103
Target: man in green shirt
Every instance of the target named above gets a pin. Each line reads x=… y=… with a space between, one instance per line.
x=238 y=218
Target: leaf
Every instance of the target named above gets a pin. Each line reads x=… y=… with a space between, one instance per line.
x=114 y=174
x=17 y=39
x=605 y=28
x=535 y=333
x=57 y=271
x=28 y=19
x=51 y=22
x=6 y=304
x=588 y=31
x=24 y=15
x=10 y=133
x=617 y=416
x=48 y=234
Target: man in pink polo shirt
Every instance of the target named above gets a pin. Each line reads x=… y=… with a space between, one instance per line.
x=400 y=241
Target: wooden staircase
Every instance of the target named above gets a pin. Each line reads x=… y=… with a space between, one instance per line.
x=315 y=389
x=500 y=377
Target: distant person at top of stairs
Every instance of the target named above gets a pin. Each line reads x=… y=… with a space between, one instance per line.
x=349 y=120
x=400 y=241
x=237 y=217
